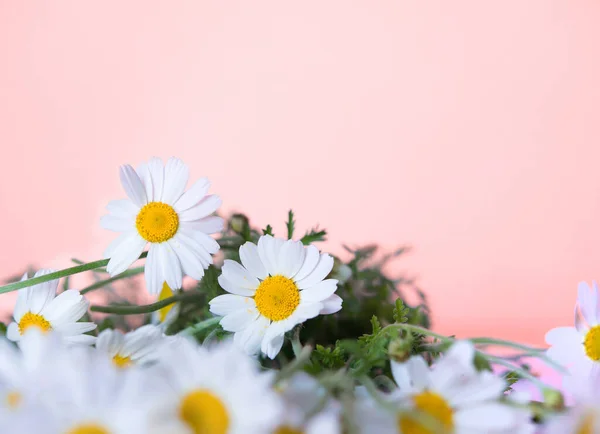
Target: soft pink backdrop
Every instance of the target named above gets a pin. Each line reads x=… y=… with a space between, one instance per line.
x=469 y=130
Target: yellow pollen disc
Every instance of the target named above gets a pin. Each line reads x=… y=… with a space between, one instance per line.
x=166 y=292
x=204 y=413
x=122 y=361
x=586 y=426
x=33 y=320
x=432 y=405
x=287 y=430
x=157 y=222
x=90 y=428
x=592 y=343
x=277 y=297
x=13 y=399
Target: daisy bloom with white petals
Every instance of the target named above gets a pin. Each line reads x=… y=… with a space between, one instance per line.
x=134 y=347
x=39 y=307
x=216 y=390
x=176 y=223
x=578 y=348
x=451 y=393
x=280 y=283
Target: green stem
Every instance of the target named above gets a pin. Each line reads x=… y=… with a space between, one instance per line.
x=123 y=275
x=58 y=274
x=202 y=325
x=296 y=345
x=295 y=365
x=147 y=308
x=513 y=367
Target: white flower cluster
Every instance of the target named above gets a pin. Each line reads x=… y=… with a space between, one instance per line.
x=58 y=376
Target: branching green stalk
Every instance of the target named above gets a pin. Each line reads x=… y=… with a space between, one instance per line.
x=147 y=308
x=123 y=275
x=57 y=275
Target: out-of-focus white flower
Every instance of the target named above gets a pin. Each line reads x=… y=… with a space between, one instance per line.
x=39 y=307
x=125 y=349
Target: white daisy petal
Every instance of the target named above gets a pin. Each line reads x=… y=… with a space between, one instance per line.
x=38 y=296
x=75 y=328
x=195 y=247
x=157 y=173
x=209 y=244
x=123 y=208
x=320 y=272
x=485 y=418
x=171 y=266
x=311 y=259
x=133 y=185
x=291 y=257
x=204 y=208
x=264 y=253
x=176 y=178
x=320 y=291
x=238 y=275
x=80 y=339
x=331 y=305
x=238 y=320
x=251 y=337
x=272 y=347
x=251 y=260
x=128 y=251
x=117 y=224
x=110 y=341
x=144 y=173
x=190 y=262
x=233 y=288
x=12 y=332
x=418 y=372
x=68 y=307
x=207 y=225
x=308 y=310
x=153 y=272
x=228 y=303
x=400 y=374
x=193 y=196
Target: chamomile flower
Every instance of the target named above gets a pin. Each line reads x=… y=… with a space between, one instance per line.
x=578 y=348
x=450 y=393
x=217 y=390
x=175 y=222
x=39 y=307
x=165 y=316
x=302 y=396
x=134 y=347
x=280 y=283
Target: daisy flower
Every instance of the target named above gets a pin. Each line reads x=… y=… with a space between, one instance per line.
x=280 y=283
x=578 y=348
x=165 y=316
x=134 y=347
x=217 y=390
x=39 y=307
x=450 y=393
x=302 y=395
x=175 y=222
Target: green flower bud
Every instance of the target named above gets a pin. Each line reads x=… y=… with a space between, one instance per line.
x=238 y=223
x=399 y=349
x=554 y=399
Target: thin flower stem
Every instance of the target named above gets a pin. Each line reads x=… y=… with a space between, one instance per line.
x=295 y=365
x=123 y=275
x=147 y=308
x=296 y=345
x=513 y=367
x=57 y=275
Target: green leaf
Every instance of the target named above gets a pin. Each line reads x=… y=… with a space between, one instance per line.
x=401 y=312
x=290 y=224
x=268 y=230
x=313 y=236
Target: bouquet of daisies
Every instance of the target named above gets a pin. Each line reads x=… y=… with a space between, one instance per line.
x=275 y=336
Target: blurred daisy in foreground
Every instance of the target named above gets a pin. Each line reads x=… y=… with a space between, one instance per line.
x=308 y=410
x=281 y=283
x=175 y=222
x=451 y=395
x=578 y=348
x=134 y=347
x=216 y=390
x=39 y=307
x=165 y=316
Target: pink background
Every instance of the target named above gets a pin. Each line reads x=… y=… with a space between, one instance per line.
x=466 y=129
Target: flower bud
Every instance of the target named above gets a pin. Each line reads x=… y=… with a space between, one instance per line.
x=554 y=399
x=238 y=223
x=399 y=350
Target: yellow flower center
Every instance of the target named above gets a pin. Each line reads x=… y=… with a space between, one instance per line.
x=122 y=361
x=285 y=429
x=157 y=222
x=204 y=413
x=592 y=343
x=34 y=320
x=13 y=399
x=587 y=425
x=88 y=428
x=277 y=297
x=166 y=292
x=432 y=405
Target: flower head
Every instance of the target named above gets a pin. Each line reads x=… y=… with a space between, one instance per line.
x=39 y=307
x=280 y=283
x=175 y=223
x=134 y=347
